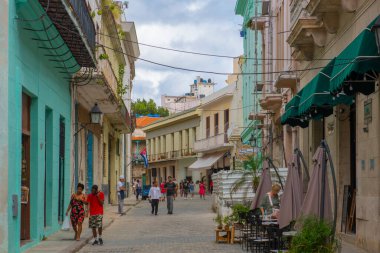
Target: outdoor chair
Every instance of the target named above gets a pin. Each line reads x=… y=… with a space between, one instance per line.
x=275 y=238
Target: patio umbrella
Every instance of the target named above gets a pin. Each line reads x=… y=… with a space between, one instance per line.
x=265 y=186
x=291 y=200
x=313 y=204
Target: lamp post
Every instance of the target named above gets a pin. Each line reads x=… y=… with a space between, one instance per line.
x=376 y=30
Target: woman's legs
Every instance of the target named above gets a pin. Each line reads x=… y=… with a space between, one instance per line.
x=79 y=230
x=74 y=225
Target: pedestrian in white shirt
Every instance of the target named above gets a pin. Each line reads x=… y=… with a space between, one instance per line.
x=154 y=197
x=121 y=193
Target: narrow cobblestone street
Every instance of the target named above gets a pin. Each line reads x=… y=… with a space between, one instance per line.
x=189 y=229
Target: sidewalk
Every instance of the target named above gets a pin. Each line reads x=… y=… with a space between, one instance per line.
x=62 y=241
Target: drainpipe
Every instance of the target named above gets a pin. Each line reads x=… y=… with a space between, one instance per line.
x=76 y=144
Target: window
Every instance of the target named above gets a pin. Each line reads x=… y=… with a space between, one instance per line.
x=216 y=123
x=226 y=119
x=208 y=127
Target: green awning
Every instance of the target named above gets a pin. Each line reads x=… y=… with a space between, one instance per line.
x=316 y=100
x=359 y=57
x=291 y=116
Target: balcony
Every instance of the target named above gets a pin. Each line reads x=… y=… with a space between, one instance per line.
x=214 y=143
x=257 y=116
x=286 y=81
x=307 y=33
x=101 y=88
x=272 y=101
x=172 y=155
x=257 y=23
x=74 y=24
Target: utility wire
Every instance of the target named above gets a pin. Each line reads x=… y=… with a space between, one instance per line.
x=212 y=72
x=225 y=73
x=202 y=54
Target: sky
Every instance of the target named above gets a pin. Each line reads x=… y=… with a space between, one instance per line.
x=207 y=26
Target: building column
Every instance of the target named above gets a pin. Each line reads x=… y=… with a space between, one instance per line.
x=191 y=139
x=152 y=148
x=162 y=144
x=185 y=142
x=4 y=132
x=157 y=146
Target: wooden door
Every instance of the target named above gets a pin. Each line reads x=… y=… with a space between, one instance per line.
x=25 y=170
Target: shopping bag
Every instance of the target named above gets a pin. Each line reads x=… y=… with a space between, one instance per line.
x=66 y=224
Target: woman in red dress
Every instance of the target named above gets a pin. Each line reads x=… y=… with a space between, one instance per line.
x=163 y=191
x=202 y=190
x=77 y=202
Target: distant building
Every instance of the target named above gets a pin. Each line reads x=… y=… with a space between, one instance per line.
x=198 y=90
x=138 y=144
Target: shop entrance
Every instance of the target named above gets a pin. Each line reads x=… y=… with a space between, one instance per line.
x=25 y=169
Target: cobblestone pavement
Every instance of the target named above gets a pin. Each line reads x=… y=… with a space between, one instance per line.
x=189 y=229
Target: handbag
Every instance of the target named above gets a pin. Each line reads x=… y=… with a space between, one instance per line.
x=66 y=224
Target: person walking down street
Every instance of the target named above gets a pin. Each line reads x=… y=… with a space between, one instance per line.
x=121 y=194
x=191 y=187
x=186 y=188
x=163 y=190
x=154 y=197
x=211 y=186
x=77 y=206
x=138 y=189
x=96 y=201
x=181 y=190
x=171 y=189
x=134 y=186
x=202 y=190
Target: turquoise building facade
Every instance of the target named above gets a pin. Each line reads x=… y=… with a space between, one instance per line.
x=251 y=68
x=37 y=181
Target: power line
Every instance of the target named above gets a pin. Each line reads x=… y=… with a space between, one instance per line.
x=214 y=72
x=203 y=54
x=226 y=73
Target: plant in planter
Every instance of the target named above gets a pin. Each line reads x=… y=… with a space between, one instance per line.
x=227 y=222
x=315 y=236
x=219 y=221
x=239 y=211
x=251 y=174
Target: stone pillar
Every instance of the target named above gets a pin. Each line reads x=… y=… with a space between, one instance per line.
x=177 y=141
x=185 y=142
x=191 y=137
x=157 y=146
x=152 y=148
x=162 y=145
x=148 y=147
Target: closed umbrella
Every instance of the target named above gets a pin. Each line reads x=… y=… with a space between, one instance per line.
x=264 y=187
x=291 y=200
x=313 y=205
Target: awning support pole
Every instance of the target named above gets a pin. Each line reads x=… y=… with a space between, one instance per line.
x=327 y=149
x=276 y=171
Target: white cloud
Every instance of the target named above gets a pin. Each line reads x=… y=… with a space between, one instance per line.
x=197 y=5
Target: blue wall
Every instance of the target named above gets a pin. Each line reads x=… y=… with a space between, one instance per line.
x=31 y=72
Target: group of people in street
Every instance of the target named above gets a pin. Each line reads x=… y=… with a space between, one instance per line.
x=81 y=205
x=169 y=190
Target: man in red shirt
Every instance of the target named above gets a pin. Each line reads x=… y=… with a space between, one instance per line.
x=96 y=201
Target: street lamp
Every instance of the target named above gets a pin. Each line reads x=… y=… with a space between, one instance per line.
x=253 y=141
x=96 y=114
x=376 y=30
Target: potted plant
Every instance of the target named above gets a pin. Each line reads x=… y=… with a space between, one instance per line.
x=315 y=236
x=218 y=220
x=239 y=211
x=251 y=174
x=227 y=222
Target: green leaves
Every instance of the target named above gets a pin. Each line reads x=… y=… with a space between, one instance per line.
x=316 y=236
x=144 y=107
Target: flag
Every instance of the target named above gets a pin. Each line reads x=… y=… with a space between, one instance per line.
x=145 y=158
